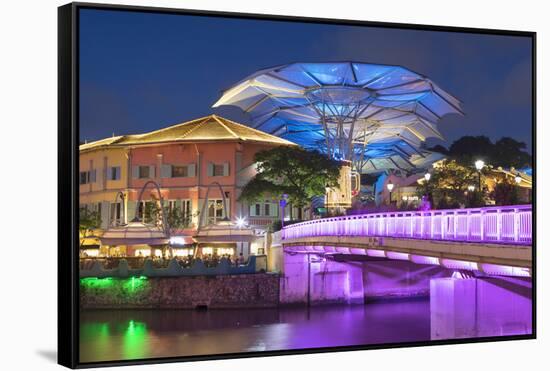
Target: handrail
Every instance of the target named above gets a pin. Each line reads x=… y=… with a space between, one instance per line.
x=498 y=224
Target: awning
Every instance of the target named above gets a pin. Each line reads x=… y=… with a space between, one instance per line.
x=135 y=233
x=224 y=231
x=181 y=240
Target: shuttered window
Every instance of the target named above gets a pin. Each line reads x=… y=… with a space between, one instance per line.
x=218 y=169
x=143 y=171
x=113 y=173
x=83 y=177
x=87 y=177
x=179 y=171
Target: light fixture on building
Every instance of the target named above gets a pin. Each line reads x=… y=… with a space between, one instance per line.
x=240 y=222
x=427 y=176
x=479 y=164
x=518 y=179
x=471 y=188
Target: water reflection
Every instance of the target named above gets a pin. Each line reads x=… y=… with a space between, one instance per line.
x=462 y=308
x=135 y=334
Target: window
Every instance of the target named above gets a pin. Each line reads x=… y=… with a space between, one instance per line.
x=185 y=207
x=267 y=209
x=179 y=171
x=218 y=170
x=144 y=172
x=113 y=173
x=149 y=212
x=116 y=213
x=215 y=211
x=258 y=210
x=84 y=177
x=87 y=176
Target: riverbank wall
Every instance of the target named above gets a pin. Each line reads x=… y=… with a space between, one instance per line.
x=259 y=290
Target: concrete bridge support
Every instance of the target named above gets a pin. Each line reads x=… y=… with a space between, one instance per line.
x=309 y=279
x=477 y=307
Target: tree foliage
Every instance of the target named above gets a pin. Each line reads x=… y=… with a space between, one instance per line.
x=88 y=220
x=506 y=192
x=505 y=152
x=448 y=186
x=293 y=171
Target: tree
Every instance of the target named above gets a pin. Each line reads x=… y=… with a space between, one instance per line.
x=468 y=149
x=509 y=152
x=176 y=219
x=293 y=171
x=505 y=152
x=448 y=185
x=506 y=192
x=88 y=220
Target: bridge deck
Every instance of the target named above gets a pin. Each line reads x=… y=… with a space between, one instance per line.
x=497 y=225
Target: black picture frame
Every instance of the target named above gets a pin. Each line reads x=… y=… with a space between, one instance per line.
x=68 y=142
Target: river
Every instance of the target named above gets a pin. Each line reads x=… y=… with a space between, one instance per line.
x=107 y=335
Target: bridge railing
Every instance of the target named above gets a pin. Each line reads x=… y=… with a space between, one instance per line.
x=500 y=224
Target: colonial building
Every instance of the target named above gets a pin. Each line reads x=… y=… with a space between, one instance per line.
x=187 y=161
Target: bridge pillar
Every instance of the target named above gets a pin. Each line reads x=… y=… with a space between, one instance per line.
x=313 y=280
x=477 y=307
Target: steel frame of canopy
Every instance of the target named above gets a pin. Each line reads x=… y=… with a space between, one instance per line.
x=341 y=100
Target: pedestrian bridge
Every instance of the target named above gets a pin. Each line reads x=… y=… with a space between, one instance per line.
x=492 y=239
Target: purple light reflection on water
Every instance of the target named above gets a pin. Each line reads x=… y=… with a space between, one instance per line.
x=107 y=334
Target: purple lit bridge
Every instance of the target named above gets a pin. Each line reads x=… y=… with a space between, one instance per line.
x=492 y=240
x=474 y=265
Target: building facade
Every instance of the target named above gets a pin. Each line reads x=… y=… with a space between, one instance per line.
x=192 y=162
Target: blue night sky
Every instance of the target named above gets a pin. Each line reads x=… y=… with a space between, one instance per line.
x=143 y=71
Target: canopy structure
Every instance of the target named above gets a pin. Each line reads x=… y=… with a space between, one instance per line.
x=344 y=108
x=224 y=231
x=135 y=233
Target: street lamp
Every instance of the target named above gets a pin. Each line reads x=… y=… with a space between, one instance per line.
x=427 y=177
x=479 y=166
x=282 y=204
x=390 y=188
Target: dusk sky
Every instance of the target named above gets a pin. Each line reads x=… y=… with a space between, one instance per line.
x=144 y=71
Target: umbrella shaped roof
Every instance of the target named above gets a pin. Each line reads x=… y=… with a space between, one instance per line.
x=300 y=102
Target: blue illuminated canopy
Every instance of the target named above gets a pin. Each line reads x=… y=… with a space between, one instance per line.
x=354 y=111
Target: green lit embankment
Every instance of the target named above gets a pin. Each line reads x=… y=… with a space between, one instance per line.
x=224 y=291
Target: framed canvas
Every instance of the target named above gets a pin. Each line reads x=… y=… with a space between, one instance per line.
x=242 y=185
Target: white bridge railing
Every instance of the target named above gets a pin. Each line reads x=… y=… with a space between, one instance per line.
x=500 y=224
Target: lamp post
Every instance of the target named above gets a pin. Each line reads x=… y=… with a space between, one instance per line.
x=390 y=188
x=479 y=166
x=282 y=204
x=427 y=178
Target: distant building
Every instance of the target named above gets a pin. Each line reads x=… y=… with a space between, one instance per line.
x=184 y=160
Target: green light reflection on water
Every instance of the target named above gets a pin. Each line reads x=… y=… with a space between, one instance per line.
x=135 y=340
x=95 y=337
